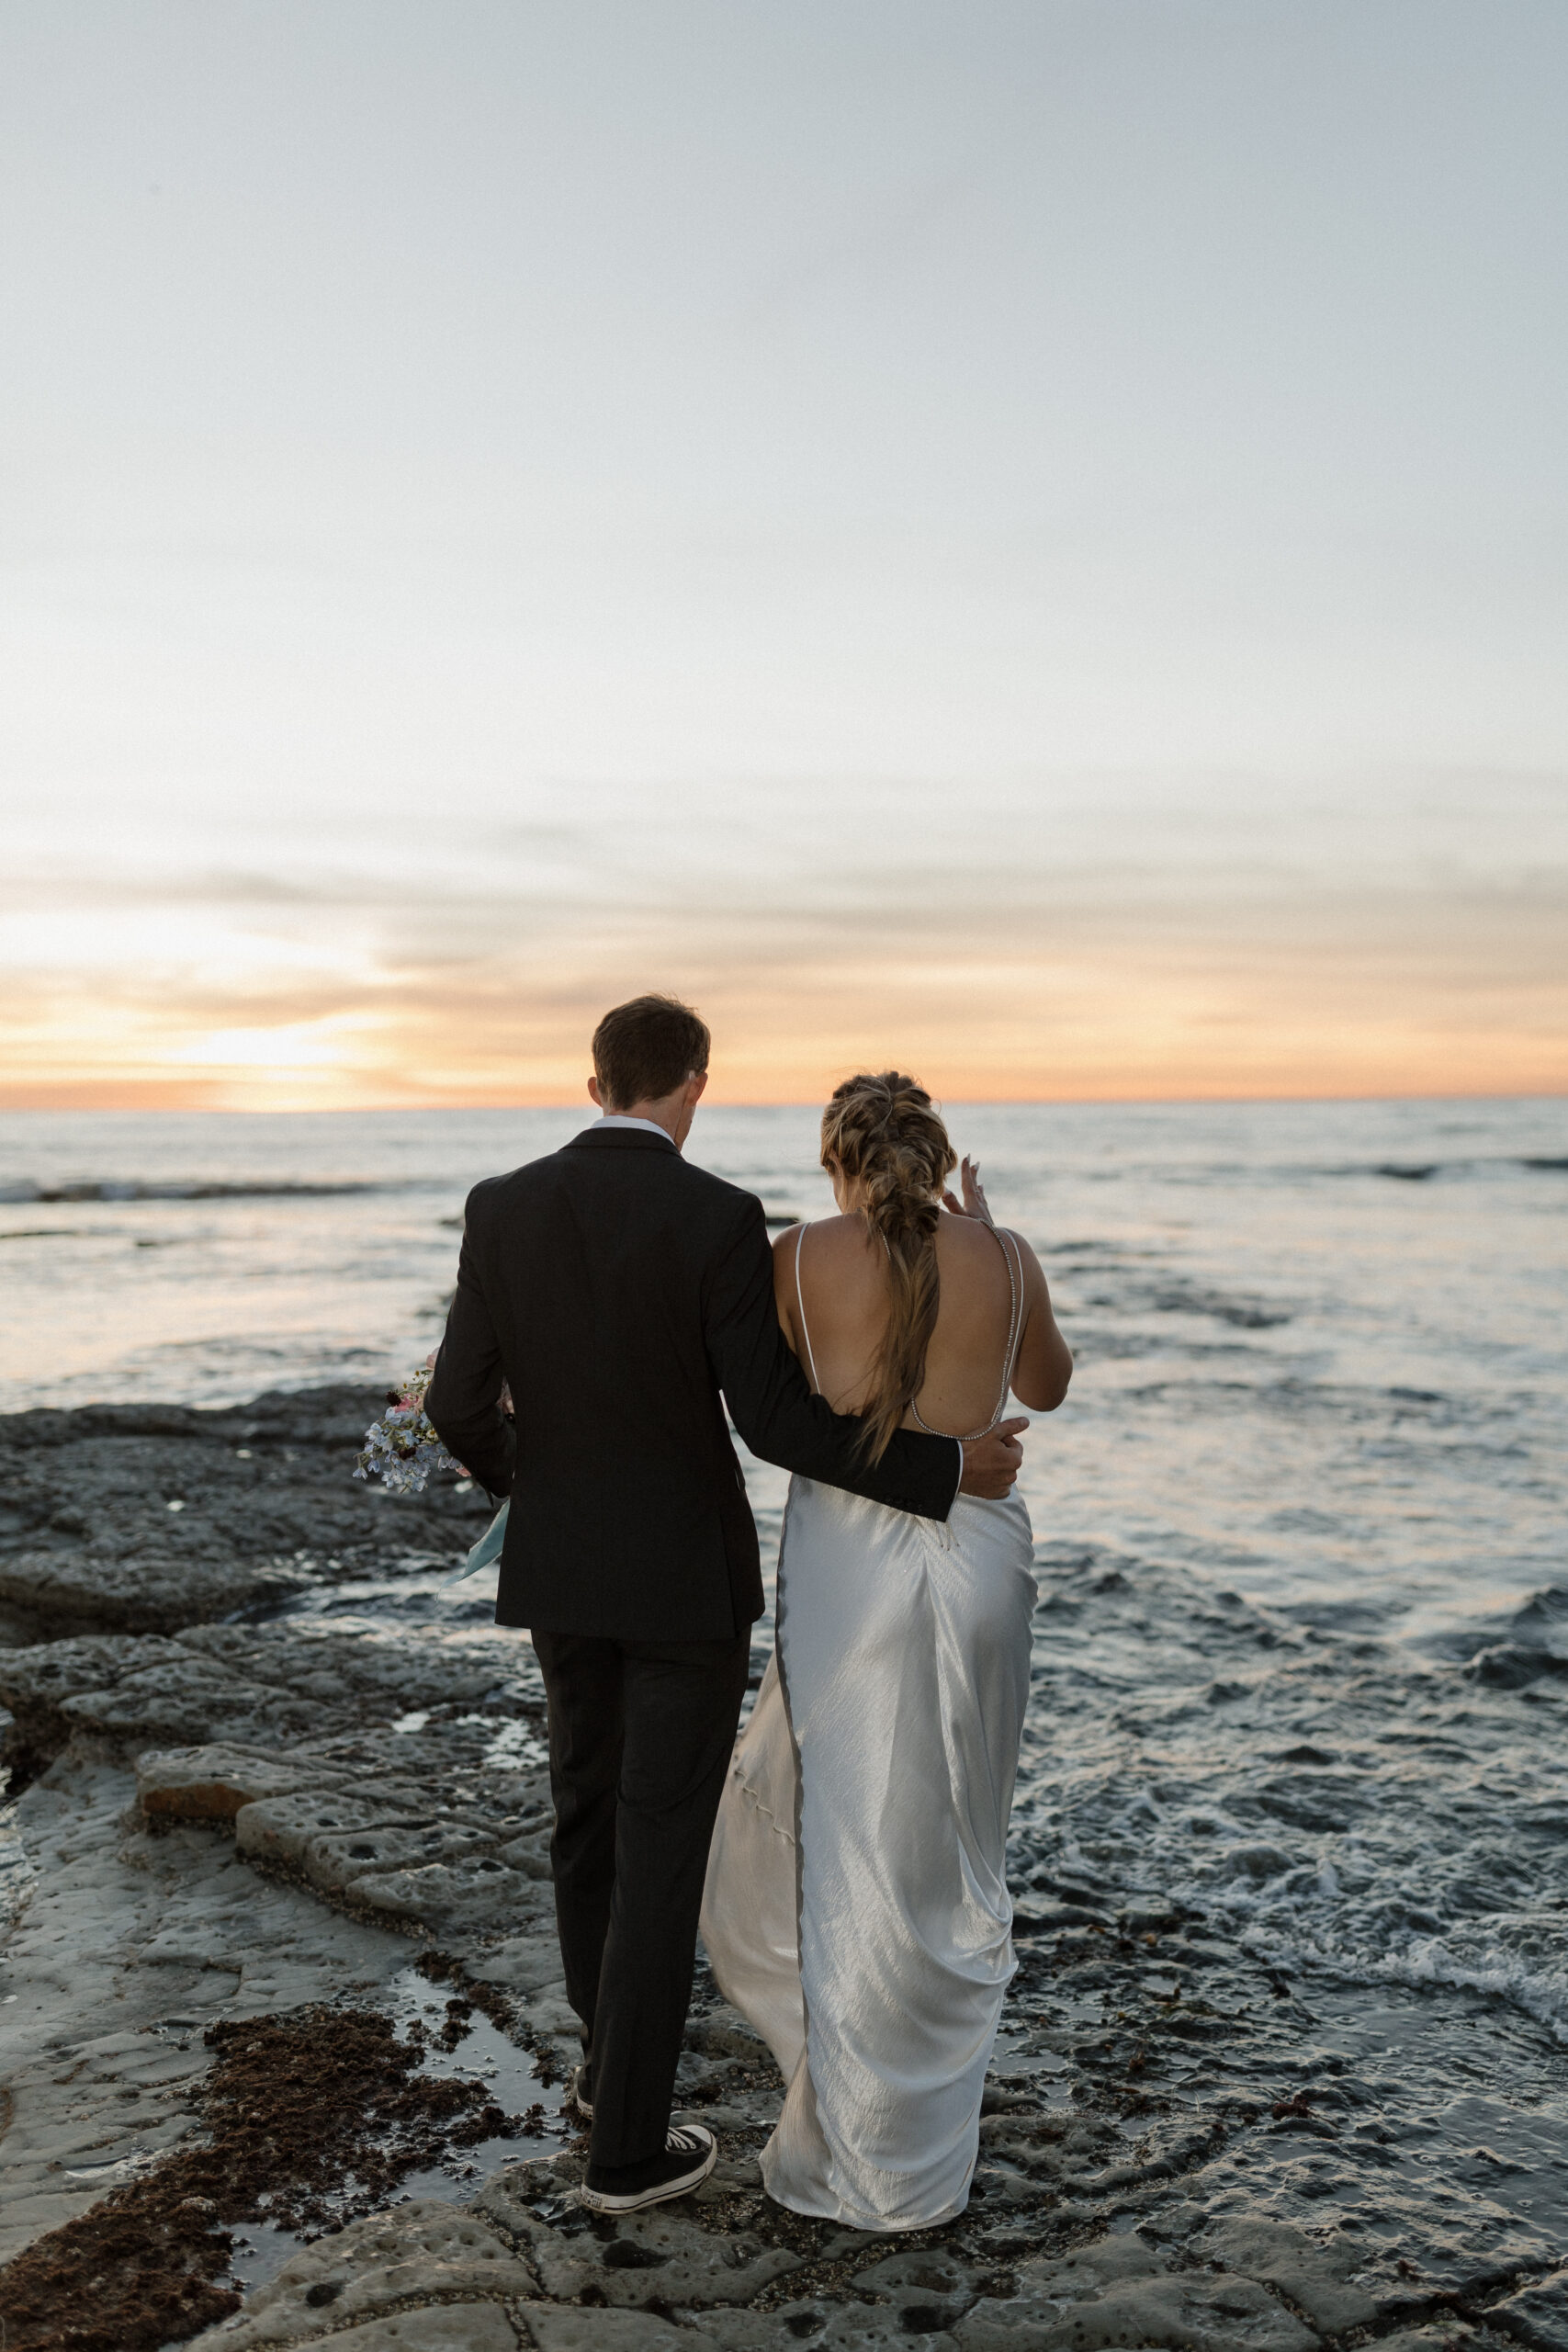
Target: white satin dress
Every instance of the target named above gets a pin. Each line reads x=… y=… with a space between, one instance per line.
x=856 y=1910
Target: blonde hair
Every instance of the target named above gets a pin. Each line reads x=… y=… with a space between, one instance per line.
x=883 y=1134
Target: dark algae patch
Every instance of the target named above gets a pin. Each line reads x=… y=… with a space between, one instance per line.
x=310 y=2120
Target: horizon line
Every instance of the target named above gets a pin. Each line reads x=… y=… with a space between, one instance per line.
x=792 y=1103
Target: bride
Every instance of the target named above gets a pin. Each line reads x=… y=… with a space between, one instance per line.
x=856 y=1909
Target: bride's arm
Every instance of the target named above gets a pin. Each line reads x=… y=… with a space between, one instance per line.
x=1043 y=1364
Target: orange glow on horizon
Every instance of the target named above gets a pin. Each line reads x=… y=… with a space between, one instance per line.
x=1164 y=998
x=111 y=1096
x=1247 y=1059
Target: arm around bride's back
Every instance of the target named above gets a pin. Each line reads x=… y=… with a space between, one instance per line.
x=1044 y=1363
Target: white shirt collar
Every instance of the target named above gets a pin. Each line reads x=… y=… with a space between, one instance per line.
x=616 y=1119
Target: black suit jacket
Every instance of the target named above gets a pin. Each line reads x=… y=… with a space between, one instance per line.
x=619 y=1290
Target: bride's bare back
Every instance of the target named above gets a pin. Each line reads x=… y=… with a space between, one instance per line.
x=843 y=1292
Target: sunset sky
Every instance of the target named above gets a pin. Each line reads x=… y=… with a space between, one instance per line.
x=1029 y=542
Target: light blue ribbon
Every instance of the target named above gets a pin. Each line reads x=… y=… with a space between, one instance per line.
x=486 y=1552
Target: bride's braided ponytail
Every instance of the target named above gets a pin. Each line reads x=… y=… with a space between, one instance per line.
x=884 y=1134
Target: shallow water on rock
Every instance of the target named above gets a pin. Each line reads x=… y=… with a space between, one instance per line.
x=416 y=1602
x=1327 y=1873
x=1329 y=1798
x=483 y=2053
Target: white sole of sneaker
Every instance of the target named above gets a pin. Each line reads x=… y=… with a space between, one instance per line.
x=600 y=2200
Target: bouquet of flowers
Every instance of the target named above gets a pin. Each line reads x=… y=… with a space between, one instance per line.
x=402 y=1448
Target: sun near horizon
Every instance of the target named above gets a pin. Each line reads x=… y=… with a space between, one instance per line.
x=1058 y=987
x=1308 y=1032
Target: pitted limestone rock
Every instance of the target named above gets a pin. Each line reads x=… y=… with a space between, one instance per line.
x=414 y=1827
x=549 y=2328
x=728 y=2036
x=338 y=1666
x=928 y=2286
x=1538 y=2314
x=474 y=1895
x=1315 y=2277
x=37 y=1681
x=429 y=2327
x=726 y=2075
x=1048 y=2286
x=667 y=2255
x=523 y=1963
x=1444 y=2336
x=148 y=1593
x=530 y=1854
x=427 y=2251
x=821 y=2325
x=335 y=1837
x=552 y=2016
x=875 y=2327
x=212 y=1783
x=1088 y=2157
x=1117 y=2294
x=257 y=1485
x=279 y=1684
x=777 y=2329
x=1065 y=2149
x=175 y=1694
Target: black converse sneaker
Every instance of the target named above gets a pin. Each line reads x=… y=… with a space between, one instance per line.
x=580 y=2092
x=690 y=2155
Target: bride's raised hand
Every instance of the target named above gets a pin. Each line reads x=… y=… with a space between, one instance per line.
x=974 y=1203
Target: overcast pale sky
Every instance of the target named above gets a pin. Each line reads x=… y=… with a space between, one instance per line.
x=1029 y=540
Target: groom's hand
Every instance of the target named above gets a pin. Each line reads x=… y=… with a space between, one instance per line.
x=991 y=1464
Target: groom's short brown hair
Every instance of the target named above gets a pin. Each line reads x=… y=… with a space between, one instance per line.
x=644 y=1051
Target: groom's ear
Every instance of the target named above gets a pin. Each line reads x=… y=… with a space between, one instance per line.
x=695 y=1086
x=593 y=1093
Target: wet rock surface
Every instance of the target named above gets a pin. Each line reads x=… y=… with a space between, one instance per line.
x=1215 y=2118
x=146 y=1518
x=306 y=2119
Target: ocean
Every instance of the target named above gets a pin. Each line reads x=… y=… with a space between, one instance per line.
x=1301 y=1645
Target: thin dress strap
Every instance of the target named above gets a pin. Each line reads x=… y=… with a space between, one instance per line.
x=1013 y=1250
x=1008 y=1243
x=800 y=1310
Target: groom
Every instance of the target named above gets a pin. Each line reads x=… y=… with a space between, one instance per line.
x=622 y=1292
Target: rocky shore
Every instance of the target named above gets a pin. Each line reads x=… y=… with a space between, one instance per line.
x=282 y=2024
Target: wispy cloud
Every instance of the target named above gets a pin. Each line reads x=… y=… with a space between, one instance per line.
x=1087 y=977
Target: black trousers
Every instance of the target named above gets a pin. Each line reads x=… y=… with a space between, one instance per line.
x=641 y=1735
